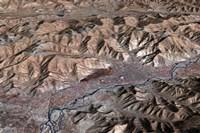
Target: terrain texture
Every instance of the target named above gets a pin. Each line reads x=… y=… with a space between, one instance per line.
x=99 y=66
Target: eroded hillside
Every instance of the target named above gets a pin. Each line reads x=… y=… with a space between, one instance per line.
x=54 y=52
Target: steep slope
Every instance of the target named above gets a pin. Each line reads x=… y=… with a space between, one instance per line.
x=53 y=52
x=59 y=52
x=159 y=106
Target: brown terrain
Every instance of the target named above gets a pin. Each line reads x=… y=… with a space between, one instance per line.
x=99 y=66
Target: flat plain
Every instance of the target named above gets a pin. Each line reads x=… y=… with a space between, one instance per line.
x=99 y=66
